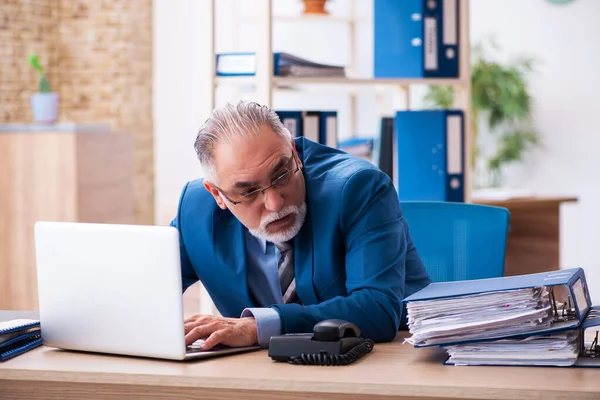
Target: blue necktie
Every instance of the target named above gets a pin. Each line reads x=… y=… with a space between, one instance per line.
x=287 y=280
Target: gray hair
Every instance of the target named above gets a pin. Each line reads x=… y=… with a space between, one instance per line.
x=243 y=120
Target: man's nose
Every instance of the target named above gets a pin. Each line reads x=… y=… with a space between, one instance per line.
x=273 y=200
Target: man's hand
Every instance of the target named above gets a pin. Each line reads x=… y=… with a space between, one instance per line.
x=234 y=332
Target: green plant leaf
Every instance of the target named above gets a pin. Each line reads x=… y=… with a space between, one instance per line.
x=35 y=63
x=512 y=146
x=440 y=96
x=44 y=85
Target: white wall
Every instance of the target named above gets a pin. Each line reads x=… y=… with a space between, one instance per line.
x=180 y=96
x=566 y=38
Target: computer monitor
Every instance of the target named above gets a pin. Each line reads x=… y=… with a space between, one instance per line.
x=113 y=289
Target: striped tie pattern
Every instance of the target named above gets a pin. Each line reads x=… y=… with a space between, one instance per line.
x=286 y=273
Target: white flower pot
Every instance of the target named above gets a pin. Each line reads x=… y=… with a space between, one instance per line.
x=44 y=107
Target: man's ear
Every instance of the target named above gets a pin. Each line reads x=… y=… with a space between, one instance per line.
x=215 y=193
x=296 y=153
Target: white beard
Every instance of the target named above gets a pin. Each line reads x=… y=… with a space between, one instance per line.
x=286 y=234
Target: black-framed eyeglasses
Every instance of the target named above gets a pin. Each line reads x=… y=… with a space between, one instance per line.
x=281 y=180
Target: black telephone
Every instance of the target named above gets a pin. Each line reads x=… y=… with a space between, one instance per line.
x=332 y=342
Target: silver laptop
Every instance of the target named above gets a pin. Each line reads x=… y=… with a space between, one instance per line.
x=113 y=289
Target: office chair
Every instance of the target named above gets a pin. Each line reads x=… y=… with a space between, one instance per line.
x=458 y=241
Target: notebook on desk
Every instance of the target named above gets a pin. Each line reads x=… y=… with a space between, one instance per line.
x=114 y=289
x=18 y=336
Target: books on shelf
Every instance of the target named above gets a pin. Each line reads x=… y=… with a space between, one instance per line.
x=18 y=336
x=284 y=64
x=535 y=319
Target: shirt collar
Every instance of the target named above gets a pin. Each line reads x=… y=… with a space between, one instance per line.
x=263 y=244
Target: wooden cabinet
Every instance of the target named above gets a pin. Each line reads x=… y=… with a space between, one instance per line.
x=534 y=233
x=57 y=173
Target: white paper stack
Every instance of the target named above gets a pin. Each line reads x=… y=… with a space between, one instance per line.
x=558 y=349
x=478 y=316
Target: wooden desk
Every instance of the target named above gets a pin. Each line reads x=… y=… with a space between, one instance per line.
x=534 y=236
x=392 y=370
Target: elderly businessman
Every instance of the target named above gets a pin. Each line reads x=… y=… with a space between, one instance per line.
x=284 y=233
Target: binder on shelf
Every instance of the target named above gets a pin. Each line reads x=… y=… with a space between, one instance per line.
x=317 y=126
x=18 y=336
x=430 y=155
x=416 y=39
x=480 y=310
x=284 y=64
x=383 y=148
x=328 y=128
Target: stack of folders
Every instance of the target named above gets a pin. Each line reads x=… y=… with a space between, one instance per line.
x=18 y=336
x=536 y=319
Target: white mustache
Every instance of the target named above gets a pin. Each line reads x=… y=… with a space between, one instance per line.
x=278 y=215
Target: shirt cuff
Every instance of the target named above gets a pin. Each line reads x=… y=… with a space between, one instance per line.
x=268 y=323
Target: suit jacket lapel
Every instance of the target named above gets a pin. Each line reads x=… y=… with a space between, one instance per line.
x=230 y=251
x=303 y=263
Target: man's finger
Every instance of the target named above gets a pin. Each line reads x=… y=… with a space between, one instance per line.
x=197 y=317
x=214 y=339
x=200 y=332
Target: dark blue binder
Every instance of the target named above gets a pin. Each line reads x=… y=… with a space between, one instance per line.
x=573 y=280
x=430 y=155
x=292 y=120
x=318 y=126
x=328 y=128
x=416 y=39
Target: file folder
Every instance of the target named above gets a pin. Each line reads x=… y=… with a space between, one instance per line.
x=568 y=287
x=430 y=155
x=317 y=126
x=416 y=39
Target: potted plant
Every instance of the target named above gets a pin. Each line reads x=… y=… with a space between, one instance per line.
x=500 y=98
x=44 y=104
x=315 y=7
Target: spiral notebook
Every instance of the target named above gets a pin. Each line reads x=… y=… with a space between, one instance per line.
x=18 y=336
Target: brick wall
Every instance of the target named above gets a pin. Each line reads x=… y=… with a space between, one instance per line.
x=98 y=54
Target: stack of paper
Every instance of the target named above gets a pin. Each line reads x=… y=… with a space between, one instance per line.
x=559 y=349
x=487 y=315
x=18 y=336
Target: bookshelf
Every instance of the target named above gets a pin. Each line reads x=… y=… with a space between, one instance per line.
x=265 y=84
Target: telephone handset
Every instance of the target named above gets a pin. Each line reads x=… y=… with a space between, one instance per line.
x=332 y=342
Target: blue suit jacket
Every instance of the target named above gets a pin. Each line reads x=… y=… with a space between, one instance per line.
x=353 y=257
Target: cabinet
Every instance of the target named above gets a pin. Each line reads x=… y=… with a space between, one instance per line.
x=59 y=173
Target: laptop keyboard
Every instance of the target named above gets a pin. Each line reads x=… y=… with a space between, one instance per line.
x=195 y=347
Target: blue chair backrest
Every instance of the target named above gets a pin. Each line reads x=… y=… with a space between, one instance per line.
x=458 y=241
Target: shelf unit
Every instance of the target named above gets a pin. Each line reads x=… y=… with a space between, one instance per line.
x=266 y=84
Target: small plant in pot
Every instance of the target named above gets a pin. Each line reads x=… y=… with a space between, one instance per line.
x=44 y=104
x=315 y=6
